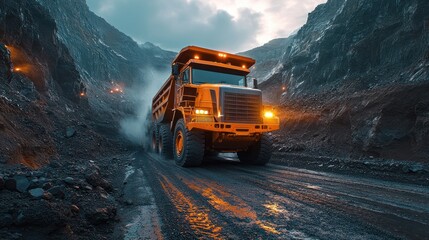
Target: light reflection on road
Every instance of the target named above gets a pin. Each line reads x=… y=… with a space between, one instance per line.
x=197 y=217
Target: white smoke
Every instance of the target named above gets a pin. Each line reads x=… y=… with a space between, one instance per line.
x=134 y=128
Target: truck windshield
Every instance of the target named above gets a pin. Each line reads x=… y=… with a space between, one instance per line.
x=202 y=76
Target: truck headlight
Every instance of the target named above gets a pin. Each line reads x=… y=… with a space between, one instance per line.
x=268 y=114
x=201 y=112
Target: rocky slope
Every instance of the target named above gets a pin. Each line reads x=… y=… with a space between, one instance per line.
x=59 y=120
x=65 y=56
x=357 y=45
x=105 y=57
x=268 y=57
x=356 y=76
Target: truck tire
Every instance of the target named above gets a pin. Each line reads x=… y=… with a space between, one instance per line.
x=188 y=146
x=259 y=153
x=146 y=140
x=165 y=143
x=154 y=139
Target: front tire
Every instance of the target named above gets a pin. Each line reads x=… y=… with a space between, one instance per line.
x=259 y=153
x=188 y=146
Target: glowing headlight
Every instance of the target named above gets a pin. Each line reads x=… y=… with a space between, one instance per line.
x=268 y=114
x=202 y=112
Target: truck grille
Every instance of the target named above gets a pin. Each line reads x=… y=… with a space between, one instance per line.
x=242 y=107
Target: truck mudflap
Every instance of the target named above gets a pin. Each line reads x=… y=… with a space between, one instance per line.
x=239 y=129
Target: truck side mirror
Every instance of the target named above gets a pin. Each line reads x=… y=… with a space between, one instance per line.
x=255 y=83
x=175 y=70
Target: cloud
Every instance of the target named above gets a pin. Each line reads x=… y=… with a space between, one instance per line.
x=173 y=24
x=230 y=25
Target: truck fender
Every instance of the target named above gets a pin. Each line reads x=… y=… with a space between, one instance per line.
x=178 y=114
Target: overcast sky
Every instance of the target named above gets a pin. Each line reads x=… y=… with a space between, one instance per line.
x=229 y=25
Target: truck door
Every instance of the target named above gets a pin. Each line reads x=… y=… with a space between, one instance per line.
x=184 y=78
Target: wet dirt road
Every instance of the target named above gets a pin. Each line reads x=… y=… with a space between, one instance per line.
x=229 y=200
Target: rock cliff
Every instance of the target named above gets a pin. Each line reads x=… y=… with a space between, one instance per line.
x=268 y=58
x=65 y=61
x=355 y=76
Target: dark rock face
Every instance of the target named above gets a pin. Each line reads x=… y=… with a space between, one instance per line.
x=31 y=34
x=356 y=45
x=268 y=57
x=104 y=55
x=66 y=60
x=66 y=50
x=356 y=76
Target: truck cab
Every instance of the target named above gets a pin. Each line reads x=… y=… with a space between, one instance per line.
x=206 y=107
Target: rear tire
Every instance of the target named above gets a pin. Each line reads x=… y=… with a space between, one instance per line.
x=146 y=142
x=259 y=153
x=188 y=146
x=165 y=143
x=154 y=141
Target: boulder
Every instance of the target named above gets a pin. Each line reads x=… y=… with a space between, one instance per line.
x=47 y=196
x=37 y=192
x=69 y=180
x=101 y=215
x=22 y=183
x=96 y=180
x=70 y=132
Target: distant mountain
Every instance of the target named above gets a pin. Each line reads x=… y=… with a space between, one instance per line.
x=268 y=57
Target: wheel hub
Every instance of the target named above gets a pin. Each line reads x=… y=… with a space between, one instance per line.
x=179 y=143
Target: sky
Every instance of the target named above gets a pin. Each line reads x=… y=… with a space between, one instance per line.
x=228 y=25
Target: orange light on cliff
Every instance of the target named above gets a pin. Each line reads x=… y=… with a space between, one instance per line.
x=82 y=94
x=17 y=69
x=116 y=90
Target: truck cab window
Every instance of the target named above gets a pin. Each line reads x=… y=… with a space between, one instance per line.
x=200 y=76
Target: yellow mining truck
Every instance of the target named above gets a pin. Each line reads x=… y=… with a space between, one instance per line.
x=205 y=107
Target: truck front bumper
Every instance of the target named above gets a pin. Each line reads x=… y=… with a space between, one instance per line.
x=240 y=129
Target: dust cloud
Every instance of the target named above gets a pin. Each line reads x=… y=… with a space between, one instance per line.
x=135 y=128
